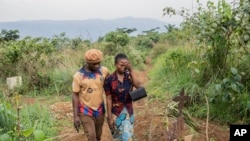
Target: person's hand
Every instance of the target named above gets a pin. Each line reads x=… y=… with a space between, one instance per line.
x=111 y=123
x=128 y=65
x=77 y=123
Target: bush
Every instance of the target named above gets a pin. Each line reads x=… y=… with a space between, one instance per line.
x=243 y=67
x=159 y=49
x=145 y=42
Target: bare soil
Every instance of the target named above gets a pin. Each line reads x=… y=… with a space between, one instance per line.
x=150 y=125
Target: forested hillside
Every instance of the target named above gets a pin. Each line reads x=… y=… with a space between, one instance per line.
x=90 y=29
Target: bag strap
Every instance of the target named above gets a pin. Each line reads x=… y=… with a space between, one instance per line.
x=131 y=87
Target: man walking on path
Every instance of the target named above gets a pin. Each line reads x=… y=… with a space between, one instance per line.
x=87 y=97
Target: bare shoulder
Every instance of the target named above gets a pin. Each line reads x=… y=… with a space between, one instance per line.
x=105 y=70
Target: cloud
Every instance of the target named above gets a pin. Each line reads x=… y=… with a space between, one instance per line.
x=13 y=10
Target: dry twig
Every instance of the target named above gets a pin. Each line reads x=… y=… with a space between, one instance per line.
x=207 y=118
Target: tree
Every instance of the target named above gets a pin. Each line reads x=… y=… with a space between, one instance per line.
x=126 y=30
x=170 y=28
x=115 y=41
x=61 y=40
x=153 y=34
x=153 y=30
x=118 y=38
x=8 y=35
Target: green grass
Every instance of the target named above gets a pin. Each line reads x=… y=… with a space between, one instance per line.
x=170 y=74
x=7 y=117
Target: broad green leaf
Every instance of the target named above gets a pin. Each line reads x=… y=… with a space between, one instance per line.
x=238 y=77
x=218 y=87
x=214 y=25
x=248 y=105
x=5 y=137
x=39 y=135
x=234 y=87
x=233 y=98
x=243 y=73
x=234 y=71
x=27 y=132
x=197 y=70
x=240 y=85
x=225 y=96
x=246 y=37
x=225 y=80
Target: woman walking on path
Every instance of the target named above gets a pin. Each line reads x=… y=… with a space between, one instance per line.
x=119 y=102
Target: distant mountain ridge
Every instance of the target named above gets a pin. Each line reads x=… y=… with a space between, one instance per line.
x=86 y=29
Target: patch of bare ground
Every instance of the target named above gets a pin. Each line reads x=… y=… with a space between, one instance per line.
x=63 y=111
x=152 y=124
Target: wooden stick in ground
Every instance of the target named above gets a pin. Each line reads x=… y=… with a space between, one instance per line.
x=18 y=122
x=180 y=121
x=207 y=118
x=150 y=129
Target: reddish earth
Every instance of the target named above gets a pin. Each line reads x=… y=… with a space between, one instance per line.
x=150 y=125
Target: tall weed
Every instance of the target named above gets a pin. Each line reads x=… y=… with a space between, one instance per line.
x=170 y=72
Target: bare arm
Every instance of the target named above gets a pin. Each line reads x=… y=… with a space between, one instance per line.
x=136 y=82
x=75 y=100
x=109 y=107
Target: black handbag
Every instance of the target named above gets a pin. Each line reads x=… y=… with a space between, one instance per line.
x=138 y=94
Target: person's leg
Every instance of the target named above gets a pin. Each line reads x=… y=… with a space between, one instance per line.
x=98 y=126
x=115 y=132
x=88 y=124
x=127 y=126
x=127 y=134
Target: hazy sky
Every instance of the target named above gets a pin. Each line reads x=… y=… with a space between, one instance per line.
x=15 y=10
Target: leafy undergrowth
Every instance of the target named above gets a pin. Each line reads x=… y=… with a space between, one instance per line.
x=26 y=119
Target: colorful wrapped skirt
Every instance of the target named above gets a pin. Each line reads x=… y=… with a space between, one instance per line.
x=123 y=126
